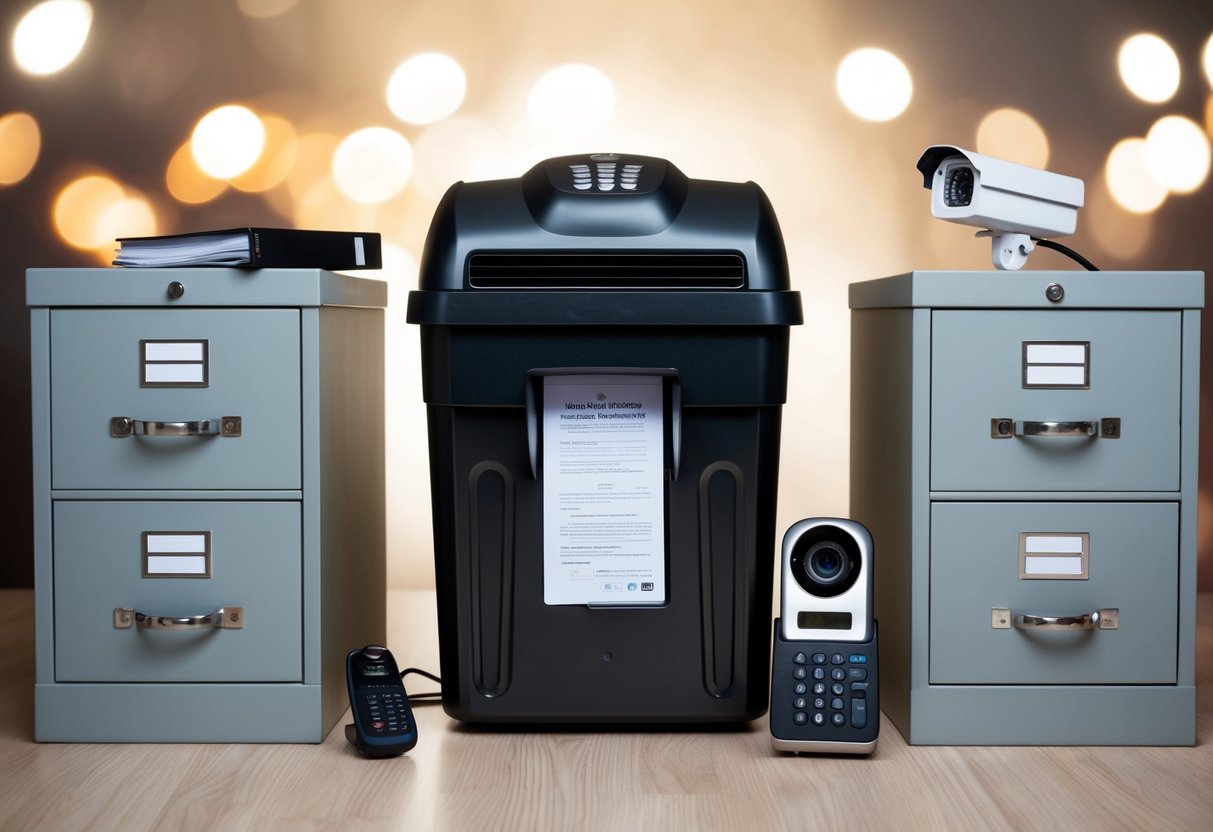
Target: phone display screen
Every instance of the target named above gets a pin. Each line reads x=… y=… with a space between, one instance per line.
x=823 y=620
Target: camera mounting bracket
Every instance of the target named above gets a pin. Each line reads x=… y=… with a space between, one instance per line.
x=1009 y=250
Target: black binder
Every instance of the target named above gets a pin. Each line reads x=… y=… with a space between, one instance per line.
x=255 y=248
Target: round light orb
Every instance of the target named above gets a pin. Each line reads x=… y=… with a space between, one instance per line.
x=1149 y=67
x=131 y=216
x=80 y=206
x=372 y=165
x=1014 y=135
x=1129 y=181
x=227 y=141
x=1206 y=60
x=426 y=88
x=874 y=84
x=276 y=160
x=186 y=182
x=572 y=100
x=1178 y=153
x=20 y=143
x=51 y=35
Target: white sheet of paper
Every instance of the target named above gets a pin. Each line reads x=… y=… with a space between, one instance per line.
x=603 y=490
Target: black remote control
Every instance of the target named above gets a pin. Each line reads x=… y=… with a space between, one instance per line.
x=383 y=723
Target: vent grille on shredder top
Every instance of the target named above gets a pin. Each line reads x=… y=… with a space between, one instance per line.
x=606 y=270
x=606 y=175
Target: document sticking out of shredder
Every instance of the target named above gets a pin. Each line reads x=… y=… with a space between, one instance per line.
x=605 y=349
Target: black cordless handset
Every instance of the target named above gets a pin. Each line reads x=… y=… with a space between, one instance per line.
x=825 y=692
x=383 y=721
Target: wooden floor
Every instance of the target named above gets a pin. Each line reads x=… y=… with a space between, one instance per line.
x=459 y=778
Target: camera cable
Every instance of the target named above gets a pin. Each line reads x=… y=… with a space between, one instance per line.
x=1068 y=252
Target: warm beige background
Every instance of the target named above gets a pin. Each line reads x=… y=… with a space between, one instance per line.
x=724 y=90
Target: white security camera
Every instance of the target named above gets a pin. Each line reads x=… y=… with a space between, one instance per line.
x=826 y=581
x=1015 y=204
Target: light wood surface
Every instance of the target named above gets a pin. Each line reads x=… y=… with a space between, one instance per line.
x=462 y=778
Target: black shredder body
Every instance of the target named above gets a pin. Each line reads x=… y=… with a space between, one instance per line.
x=604 y=266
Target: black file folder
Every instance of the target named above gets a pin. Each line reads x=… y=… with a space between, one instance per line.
x=255 y=248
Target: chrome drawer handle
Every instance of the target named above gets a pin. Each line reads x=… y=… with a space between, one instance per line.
x=122 y=426
x=1054 y=428
x=1086 y=621
x=1008 y=428
x=1003 y=618
x=224 y=618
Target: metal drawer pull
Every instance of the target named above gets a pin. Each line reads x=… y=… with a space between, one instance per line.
x=1055 y=428
x=1007 y=428
x=224 y=618
x=121 y=426
x=1002 y=618
x=1086 y=621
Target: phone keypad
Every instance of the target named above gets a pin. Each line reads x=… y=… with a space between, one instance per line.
x=840 y=703
x=388 y=711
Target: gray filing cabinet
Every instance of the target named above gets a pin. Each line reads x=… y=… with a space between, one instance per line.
x=1028 y=469
x=208 y=492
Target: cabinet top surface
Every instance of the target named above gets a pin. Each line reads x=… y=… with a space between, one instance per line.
x=200 y=287
x=1026 y=289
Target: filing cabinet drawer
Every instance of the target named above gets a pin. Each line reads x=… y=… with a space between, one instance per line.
x=175 y=370
x=1032 y=558
x=1047 y=371
x=179 y=560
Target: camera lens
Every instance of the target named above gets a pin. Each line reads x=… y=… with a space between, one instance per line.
x=827 y=563
x=958 y=186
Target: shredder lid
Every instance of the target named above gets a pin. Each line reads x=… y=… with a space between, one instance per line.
x=604 y=239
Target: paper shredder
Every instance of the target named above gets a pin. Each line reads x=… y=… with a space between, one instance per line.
x=567 y=592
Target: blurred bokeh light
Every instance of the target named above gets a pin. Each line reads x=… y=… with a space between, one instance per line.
x=572 y=100
x=1129 y=180
x=131 y=216
x=186 y=181
x=51 y=35
x=1014 y=135
x=874 y=84
x=20 y=141
x=372 y=164
x=1149 y=67
x=80 y=204
x=276 y=160
x=93 y=210
x=227 y=141
x=426 y=88
x=1178 y=153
